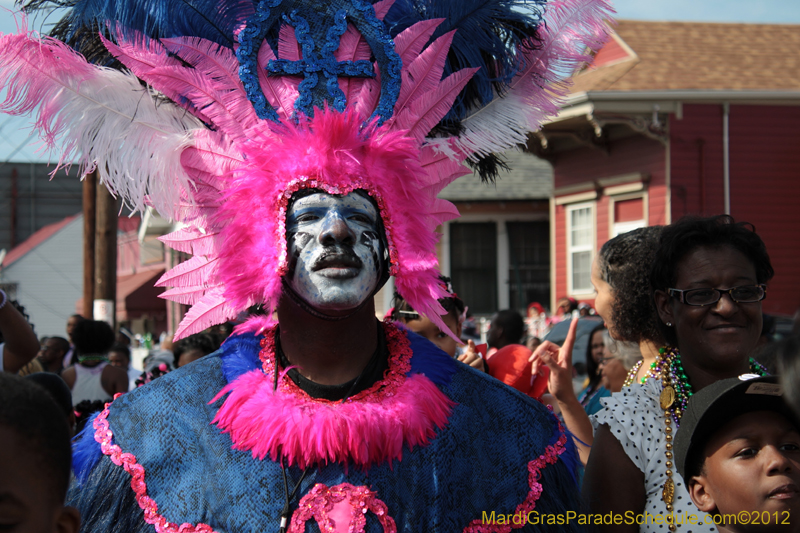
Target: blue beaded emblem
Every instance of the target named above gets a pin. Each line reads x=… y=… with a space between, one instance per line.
x=319 y=30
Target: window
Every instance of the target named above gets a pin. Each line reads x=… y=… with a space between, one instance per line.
x=580 y=247
x=529 y=263
x=473 y=264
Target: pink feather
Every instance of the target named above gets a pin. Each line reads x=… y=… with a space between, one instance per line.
x=425 y=72
x=191 y=241
x=353 y=47
x=143 y=58
x=264 y=422
x=196 y=271
x=212 y=309
x=184 y=295
x=288 y=47
x=382 y=8
x=281 y=91
x=424 y=113
x=409 y=43
x=219 y=63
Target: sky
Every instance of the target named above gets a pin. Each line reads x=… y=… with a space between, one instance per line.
x=13 y=134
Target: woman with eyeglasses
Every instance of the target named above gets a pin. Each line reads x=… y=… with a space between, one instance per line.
x=709 y=277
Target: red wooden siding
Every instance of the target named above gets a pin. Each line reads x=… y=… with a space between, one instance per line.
x=628 y=210
x=765 y=190
x=696 y=161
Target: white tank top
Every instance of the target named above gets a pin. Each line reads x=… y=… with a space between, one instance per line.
x=87 y=384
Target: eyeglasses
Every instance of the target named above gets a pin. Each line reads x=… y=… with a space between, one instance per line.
x=746 y=294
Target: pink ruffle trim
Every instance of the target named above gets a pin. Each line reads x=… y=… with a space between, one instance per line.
x=340 y=509
x=104 y=436
x=369 y=428
x=549 y=457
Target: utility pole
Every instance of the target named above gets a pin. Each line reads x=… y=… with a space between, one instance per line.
x=89 y=210
x=105 y=287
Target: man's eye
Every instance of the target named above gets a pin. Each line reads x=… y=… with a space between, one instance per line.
x=363 y=219
x=790 y=447
x=308 y=217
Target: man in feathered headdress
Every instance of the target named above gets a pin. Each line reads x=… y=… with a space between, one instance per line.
x=303 y=147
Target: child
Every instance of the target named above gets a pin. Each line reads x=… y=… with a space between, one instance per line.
x=738 y=448
x=456 y=312
x=34 y=460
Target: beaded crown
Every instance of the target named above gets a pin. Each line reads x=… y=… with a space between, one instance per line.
x=216 y=112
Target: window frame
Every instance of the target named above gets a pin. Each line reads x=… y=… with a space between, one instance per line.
x=614 y=198
x=591 y=248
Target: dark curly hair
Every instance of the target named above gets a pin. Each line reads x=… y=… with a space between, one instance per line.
x=205 y=342
x=624 y=263
x=454 y=305
x=93 y=337
x=691 y=232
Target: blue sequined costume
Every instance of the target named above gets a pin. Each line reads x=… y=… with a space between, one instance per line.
x=476 y=464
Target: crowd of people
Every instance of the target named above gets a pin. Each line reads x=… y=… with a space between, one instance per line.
x=299 y=199
x=674 y=408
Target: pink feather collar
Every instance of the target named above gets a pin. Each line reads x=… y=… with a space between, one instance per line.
x=369 y=428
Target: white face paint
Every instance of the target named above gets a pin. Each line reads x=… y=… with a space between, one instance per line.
x=335 y=251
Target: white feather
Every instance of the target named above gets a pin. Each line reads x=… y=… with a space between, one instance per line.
x=572 y=28
x=102 y=119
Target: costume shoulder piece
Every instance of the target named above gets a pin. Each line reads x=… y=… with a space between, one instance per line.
x=174 y=471
x=216 y=112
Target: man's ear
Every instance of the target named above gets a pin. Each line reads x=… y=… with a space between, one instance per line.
x=701 y=495
x=663 y=306
x=69 y=521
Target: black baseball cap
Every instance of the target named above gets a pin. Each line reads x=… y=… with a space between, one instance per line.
x=719 y=403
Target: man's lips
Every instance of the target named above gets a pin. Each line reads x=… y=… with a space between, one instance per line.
x=337 y=261
x=784 y=492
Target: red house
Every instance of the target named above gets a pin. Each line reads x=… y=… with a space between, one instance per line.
x=675 y=119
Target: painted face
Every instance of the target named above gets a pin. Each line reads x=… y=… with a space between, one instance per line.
x=717 y=337
x=751 y=464
x=335 y=250
x=425 y=328
x=604 y=300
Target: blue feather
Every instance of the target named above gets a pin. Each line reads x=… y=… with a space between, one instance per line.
x=86 y=451
x=209 y=19
x=240 y=355
x=489 y=34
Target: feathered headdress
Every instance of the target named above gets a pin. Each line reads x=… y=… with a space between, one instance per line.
x=216 y=111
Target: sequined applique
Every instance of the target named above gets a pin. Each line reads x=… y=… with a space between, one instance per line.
x=535 y=467
x=105 y=437
x=326 y=505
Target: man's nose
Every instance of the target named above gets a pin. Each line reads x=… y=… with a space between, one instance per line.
x=335 y=230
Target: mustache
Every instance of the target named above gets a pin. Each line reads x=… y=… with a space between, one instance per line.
x=337 y=255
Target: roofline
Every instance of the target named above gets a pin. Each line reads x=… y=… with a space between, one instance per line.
x=684 y=95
